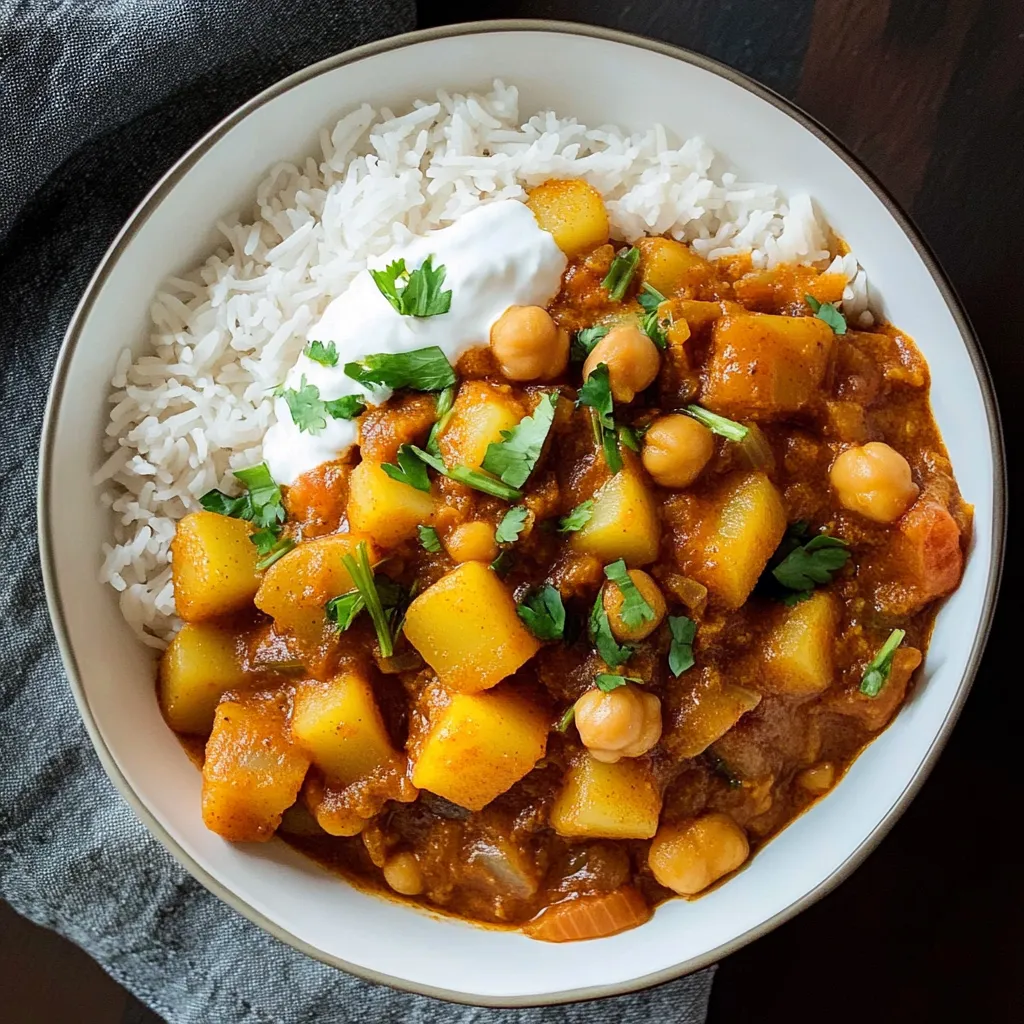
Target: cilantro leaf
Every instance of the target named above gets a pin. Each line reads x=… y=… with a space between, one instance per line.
x=680 y=652
x=827 y=313
x=422 y=369
x=260 y=504
x=583 y=341
x=608 y=681
x=429 y=538
x=596 y=393
x=613 y=653
x=729 y=429
x=325 y=355
x=514 y=459
x=305 y=405
x=511 y=525
x=876 y=675
x=655 y=329
x=264 y=540
x=629 y=437
x=502 y=565
x=635 y=610
x=543 y=613
x=419 y=293
x=348 y=407
x=410 y=469
x=466 y=475
x=274 y=551
x=342 y=611
x=649 y=298
x=443 y=411
x=621 y=273
x=812 y=564
x=225 y=505
x=358 y=567
x=577 y=518
x=566 y=720
x=610 y=447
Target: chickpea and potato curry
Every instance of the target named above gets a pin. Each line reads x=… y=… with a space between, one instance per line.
x=582 y=623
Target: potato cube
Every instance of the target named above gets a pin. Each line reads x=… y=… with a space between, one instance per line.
x=798 y=648
x=766 y=366
x=467 y=630
x=668 y=265
x=213 y=566
x=479 y=746
x=252 y=772
x=624 y=522
x=702 y=709
x=573 y=212
x=607 y=801
x=338 y=724
x=729 y=552
x=201 y=663
x=387 y=509
x=480 y=413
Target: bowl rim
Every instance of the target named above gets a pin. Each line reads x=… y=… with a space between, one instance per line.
x=142 y=213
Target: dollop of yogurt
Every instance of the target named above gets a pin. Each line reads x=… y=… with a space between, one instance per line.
x=495 y=256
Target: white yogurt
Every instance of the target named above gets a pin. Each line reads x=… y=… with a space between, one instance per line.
x=495 y=257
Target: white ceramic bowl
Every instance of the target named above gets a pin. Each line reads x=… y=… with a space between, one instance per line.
x=600 y=77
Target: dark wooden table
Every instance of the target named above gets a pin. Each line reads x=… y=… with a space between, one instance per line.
x=930 y=95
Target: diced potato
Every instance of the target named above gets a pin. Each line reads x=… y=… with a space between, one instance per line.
x=742 y=536
x=213 y=566
x=607 y=801
x=466 y=628
x=296 y=588
x=387 y=509
x=479 y=746
x=573 y=212
x=480 y=413
x=201 y=663
x=704 y=712
x=338 y=724
x=766 y=366
x=252 y=772
x=667 y=265
x=689 y=857
x=798 y=648
x=624 y=522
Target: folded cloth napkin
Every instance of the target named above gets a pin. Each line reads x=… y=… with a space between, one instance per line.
x=97 y=99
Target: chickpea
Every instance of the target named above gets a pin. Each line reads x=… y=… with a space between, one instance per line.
x=402 y=873
x=632 y=360
x=818 y=778
x=528 y=344
x=687 y=858
x=676 y=449
x=874 y=480
x=613 y=600
x=625 y=722
x=472 y=542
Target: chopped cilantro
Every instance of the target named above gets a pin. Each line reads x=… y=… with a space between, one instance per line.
x=629 y=437
x=410 y=469
x=511 y=525
x=309 y=411
x=260 y=504
x=876 y=675
x=566 y=720
x=275 y=551
x=420 y=295
x=596 y=393
x=577 y=518
x=608 y=681
x=342 y=611
x=635 y=610
x=583 y=341
x=649 y=298
x=514 y=458
x=811 y=564
x=729 y=429
x=348 y=407
x=613 y=653
x=422 y=369
x=358 y=567
x=325 y=355
x=429 y=538
x=827 y=313
x=502 y=565
x=443 y=411
x=470 y=477
x=543 y=612
x=680 y=652
x=655 y=329
x=621 y=273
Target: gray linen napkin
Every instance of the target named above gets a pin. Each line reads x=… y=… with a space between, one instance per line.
x=96 y=100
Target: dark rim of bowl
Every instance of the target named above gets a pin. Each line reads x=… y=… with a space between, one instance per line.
x=156 y=196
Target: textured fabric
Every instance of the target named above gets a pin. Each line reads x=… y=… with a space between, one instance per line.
x=96 y=100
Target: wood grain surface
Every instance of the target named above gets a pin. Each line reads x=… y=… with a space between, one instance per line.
x=930 y=95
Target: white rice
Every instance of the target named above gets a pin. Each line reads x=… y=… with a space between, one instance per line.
x=196 y=406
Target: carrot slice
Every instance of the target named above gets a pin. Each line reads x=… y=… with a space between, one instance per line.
x=590 y=917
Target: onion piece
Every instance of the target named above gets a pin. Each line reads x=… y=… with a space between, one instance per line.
x=756 y=450
x=590 y=917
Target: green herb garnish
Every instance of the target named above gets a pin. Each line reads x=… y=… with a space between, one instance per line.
x=362 y=576
x=470 y=477
x=876 y=675
x=621 y=273
x=511 y=525
x=348 y=407
x=429 y=538
x=276 y=550
x=827 y=313
x=443 y=411
x=502 y=565
x=596 y=393
x=325 y=355
x=613 y=653
x=680 y=651
x=309 y=411
x=655 y=329
x=543 y=612
x=342 y=611
x=583 y=341
x=608 y=681
x=260 y=504
x=629 y=437
x=577 y=518
x=729 y=429
x=566 y=720
x=810 y=565
x=410 y=469
x=423 y=369
x=649 y=298
x=419 y=294
x=635 y=610
x=514 y=458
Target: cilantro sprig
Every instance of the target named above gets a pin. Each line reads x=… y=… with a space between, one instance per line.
x=809 y=564
x=543 y=613
x=608 y=681
x=729 y=429
x=310 y=412
x=680 y=651
x=567 y=718
x=359 y=569
x=515 y=457
x=414 y=293
x=443 y=411
x=318 y=352
x=621 y=273
x=511 y=525
x=596 y=394
x=429 y=538
x=600 y=630
x=422 y=369
x=474 y=478
x=577 y=518
x=649 y=298
x=828 y=313
x=878 y=670
x=635 y=610
x=583 y=341
x=261 y=504
x=409 y=470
